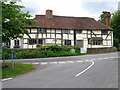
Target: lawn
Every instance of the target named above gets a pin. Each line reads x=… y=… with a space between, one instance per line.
x=19 y=68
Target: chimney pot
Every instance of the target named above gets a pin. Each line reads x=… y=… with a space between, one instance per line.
x=49 y=14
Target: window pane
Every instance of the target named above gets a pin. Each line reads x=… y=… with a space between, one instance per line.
x=79 y=31
x=40 y=41
x=97 y=42
x=68 y=42
x=17 y=42
x=89 y=41
x=104 y=32
x=66 y=31
x=32 y=41
x=42 y=30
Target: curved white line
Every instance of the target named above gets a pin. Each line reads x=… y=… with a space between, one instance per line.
x=85 y=69
x=6 y=79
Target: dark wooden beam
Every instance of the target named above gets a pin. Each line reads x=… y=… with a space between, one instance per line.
x=74 y=37
x=55 y=37
x=61 y=37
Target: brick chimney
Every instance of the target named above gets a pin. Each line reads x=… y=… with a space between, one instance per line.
x=107 y=18
x=49 y=14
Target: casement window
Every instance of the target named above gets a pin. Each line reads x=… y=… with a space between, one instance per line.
x=42 y=30
x=79 y=31
x=32 y=41
x=89 y=40
x=16 y=42
x=66 y=31
x=41 y=41
x=104 y=32
x=97 y=42
x=67 y=42
x=8 y=43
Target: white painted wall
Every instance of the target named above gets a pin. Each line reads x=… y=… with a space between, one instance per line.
x=82 y=36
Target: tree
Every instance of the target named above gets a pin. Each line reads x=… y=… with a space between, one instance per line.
x=115 y=24
x=102 y=18
x=13 y=21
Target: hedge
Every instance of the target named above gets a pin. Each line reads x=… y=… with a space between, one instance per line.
x=43 y=52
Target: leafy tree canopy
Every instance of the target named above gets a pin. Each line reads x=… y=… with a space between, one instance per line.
x=102 y=18
x=13 y=21
x=115 y=24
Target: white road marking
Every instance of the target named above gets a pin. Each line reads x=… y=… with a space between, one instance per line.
x=79 y=61
x=112 y=57
x=27 y=63
x=6 y=79
x=87 y=60
x=35 y=63
x=92 y=60
x=100 y=58
x=106 y=58
x=61 y=62
x=70 y=62
x=44 y=63
x=53 y=62
x=85 y=69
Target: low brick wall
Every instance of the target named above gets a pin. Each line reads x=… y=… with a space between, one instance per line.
x=101 y=50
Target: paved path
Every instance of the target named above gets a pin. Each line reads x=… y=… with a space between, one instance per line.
x=87 y=71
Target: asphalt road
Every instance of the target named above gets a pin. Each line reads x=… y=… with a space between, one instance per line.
x=87 y=71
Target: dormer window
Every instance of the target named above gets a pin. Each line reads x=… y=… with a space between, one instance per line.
x=104 y=32
x=42 y=30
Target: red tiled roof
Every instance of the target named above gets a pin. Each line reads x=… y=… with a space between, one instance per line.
x=63 y=22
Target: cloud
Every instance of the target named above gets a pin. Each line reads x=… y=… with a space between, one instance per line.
x=77 y=8
x=93 y=7
x=119 y=5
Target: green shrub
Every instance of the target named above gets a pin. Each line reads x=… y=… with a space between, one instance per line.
x=77 y=49
x=43 y=52
x=118 y=48
x=116 y=42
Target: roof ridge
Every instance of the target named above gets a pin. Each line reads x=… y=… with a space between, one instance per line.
x=66 y=16
x=71 y=16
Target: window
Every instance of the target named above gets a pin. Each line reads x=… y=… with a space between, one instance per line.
x=104 y=32
x=68 y=42
x=97 y=42
x=32 y=41
x=41 y=41
x=89 y=40
x=79 y=31
x=16 y=42
x=66 y=31
x=42 y=30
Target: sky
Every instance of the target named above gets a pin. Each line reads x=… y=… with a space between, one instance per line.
x=76 y=8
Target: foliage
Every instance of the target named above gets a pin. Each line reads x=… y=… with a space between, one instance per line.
x=77 y=49
x=43 y=52
x=115 y=24
x=116 y=42
x=19 y=68
x=118 y=48
x=13 y=21
x=102 y=18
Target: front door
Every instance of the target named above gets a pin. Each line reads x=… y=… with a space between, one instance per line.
x=80 y=43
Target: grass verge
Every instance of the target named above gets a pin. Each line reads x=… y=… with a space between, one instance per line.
x=19 y=68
